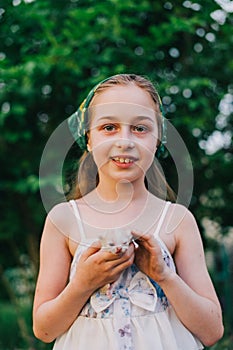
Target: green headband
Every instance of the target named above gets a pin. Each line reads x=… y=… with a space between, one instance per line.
x=77 y=122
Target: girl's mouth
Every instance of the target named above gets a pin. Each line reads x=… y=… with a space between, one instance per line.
x=123 y=162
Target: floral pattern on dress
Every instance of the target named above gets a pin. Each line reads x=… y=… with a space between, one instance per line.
x=133 y=294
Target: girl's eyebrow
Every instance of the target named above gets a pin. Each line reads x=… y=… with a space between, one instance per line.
x=142 y=117
x=137 y=118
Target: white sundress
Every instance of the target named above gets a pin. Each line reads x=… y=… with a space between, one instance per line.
x=133 y=313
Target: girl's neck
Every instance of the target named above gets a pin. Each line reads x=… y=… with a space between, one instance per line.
x=119 y=198
x=121 y=191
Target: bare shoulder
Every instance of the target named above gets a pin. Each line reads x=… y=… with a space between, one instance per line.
x=62 y=217
x=180 y=228
x=180 y=219
x=59 y=211
x=178 y=225
x=188 y=242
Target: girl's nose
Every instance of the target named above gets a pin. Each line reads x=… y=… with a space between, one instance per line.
x=124 y=143
x=125 y=139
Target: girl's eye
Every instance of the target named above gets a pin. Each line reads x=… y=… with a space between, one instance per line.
x=109 y=127
x=140 y=128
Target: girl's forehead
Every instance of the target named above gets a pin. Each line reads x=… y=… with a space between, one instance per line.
x=120 y=110
x=129 y=93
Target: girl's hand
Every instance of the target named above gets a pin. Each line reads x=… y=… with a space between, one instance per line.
x=149 y=258
x=96 y=268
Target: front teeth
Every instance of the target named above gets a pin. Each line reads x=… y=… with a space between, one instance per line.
x=123 y=160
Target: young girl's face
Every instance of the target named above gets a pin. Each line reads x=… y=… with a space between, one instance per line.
x=123 y=132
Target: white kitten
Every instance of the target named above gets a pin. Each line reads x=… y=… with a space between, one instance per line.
x=116 y=240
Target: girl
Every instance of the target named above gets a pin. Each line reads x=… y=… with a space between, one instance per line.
x=145 y=284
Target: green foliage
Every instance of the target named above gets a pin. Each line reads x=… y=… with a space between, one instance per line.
x=8 y=327
x=14 y=323
x=53 y=52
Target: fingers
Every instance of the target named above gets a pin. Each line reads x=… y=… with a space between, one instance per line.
x=94 y=248
x=101 y=267
x=147 y=244
x=112 y=264
x=120 y=256
x=124 y=261
x=146 y=240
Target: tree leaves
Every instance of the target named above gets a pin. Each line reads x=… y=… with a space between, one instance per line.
x=52 y=53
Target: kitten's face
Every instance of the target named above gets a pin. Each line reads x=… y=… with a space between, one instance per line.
x=116 y=241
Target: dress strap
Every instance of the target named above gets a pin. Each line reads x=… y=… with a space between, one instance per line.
x=78 y=217
x=161 y=219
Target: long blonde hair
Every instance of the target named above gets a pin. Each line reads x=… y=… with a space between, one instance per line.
x=87 y=177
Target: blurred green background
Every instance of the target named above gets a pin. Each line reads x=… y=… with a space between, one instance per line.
x=51 y=54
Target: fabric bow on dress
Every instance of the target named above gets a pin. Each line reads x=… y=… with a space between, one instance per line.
x=140 y=293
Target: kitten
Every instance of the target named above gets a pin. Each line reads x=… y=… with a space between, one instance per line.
x=116 y=240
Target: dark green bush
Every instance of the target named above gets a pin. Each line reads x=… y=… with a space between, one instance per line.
x=16 y=329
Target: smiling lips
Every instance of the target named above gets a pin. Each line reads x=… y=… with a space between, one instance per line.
x=124 y=160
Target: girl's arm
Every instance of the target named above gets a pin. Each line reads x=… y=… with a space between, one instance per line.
x=57 y=301
x=190 y=290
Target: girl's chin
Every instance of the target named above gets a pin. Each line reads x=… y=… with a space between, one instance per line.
x=123 y=178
